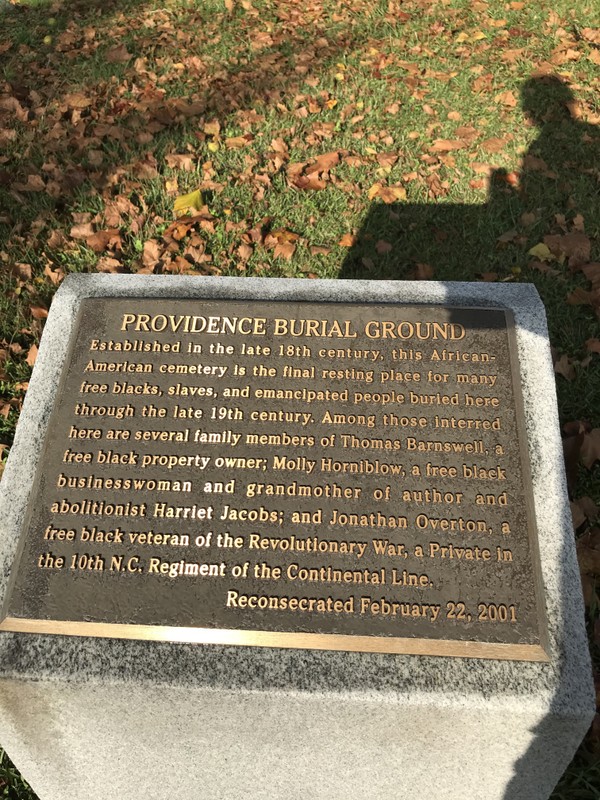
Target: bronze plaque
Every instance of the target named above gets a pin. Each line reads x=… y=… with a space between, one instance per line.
x=317 y=475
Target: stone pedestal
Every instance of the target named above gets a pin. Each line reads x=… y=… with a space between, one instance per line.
x=109 y=718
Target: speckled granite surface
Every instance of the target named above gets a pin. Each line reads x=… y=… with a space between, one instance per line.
x=112 y=719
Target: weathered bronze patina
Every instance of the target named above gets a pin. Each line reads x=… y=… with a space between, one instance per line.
x=332 y=476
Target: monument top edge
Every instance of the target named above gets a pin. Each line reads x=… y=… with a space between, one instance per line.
x=514 y=296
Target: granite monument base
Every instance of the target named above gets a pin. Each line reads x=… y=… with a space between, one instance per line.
x=113 y=718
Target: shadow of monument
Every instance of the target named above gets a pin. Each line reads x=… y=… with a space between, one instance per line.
x=556 y=194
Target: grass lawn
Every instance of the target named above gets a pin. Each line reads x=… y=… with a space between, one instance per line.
x=424 y=139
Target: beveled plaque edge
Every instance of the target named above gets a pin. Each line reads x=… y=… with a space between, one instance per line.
x=305 y=641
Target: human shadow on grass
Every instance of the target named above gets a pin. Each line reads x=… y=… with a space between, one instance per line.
x=446 y=241
x=556 y=195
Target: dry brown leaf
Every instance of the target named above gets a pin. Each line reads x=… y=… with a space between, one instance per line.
x=117 y=55
x=310 y=183
x=593 y=345
x=493 y=145
x=82 y=231
x=108 y=264
x=588 y=552
x=38 y=312
x=348 y=240
x=506 y=99
x=244 y=251
x=392 y=194
x=151 y=253
x=35 y=183
x=387 y=159
x=423 y=272
x=592 y=273
x=565 y=367
x=55 y=276
x=527 y=218
x=235 y=142
x=587 y=507
x=317 y=250
x=579 y=297
x=541 y=266
x=279 y=146
x=22 y=271
x=284 y=250
x=182 y=161
x=32 y=355
x=590 y=448
x=572 y=246
x=103 y=240
x=445 y=145
x=383 y=247
x=324 y=163
x=212 y=128
x=76 y=100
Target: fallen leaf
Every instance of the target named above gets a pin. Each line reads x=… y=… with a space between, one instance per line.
x=235 y=142
x=151 y=253
x=587 y=508
x=423 y=272
x=565 y=368
x=38 y=312
x=55 y=276
x=580 y=297
x=32 y=355
x=445 y=145
x=35 y=183
x=541 y=251
x=182 y=161
x=387 y=159
x=506 y=99
x=103 y=240
x=575 y=247
x=76 y=100
x=310 y=183
x=588 y=552
x=117 y=55
x=188 y=202
x=82 y=230
x=383 y=247
x=348 y=240
x=392 y=194
x=108 y=264
x=244 y=251
x=509 y=236
x=593 y=345
x=284 y=250
x=590 y=448
x=212 y=128
x=493 y=145
x=592 y=273
x=22 y=271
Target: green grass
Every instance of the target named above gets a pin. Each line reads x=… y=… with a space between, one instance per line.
x=93 y=128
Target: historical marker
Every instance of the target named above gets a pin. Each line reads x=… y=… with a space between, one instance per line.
x=314 y=475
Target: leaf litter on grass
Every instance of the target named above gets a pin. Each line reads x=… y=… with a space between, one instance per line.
x=452 y=140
